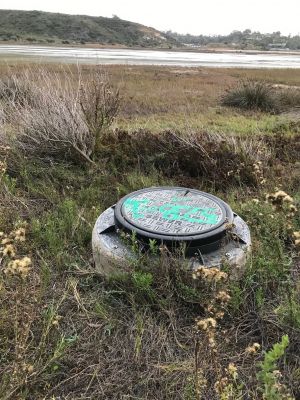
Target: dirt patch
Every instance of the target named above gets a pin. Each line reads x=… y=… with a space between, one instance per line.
x=185 y=71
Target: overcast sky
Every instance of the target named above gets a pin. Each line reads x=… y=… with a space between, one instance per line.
x=184 y=16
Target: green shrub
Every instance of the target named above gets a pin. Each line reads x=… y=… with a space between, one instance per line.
x=251 y=95
x=142 y=281
x=269 y=375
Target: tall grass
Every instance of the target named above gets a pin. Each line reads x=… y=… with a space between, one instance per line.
x=251 y=95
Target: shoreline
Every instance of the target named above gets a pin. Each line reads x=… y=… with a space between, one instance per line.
x=184 y=49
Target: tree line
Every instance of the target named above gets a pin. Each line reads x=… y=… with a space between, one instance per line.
x=242 y=39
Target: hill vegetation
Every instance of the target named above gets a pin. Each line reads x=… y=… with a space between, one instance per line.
x=45 y=27
x=55 y=28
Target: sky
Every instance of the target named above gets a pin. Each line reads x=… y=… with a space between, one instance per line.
x=207 y=17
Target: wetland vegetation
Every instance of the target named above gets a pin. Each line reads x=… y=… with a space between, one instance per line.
x=73 y=141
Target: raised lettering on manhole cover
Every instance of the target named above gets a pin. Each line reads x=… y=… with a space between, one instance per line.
x=173 y=212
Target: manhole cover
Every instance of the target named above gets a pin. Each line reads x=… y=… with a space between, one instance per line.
x=170 y=214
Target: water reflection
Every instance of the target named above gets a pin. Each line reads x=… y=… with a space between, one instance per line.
x=150 y=57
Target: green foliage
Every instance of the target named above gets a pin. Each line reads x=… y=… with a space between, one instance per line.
x=264 y=273
x=190 y=392
x=271 y=388
x=289 y=309
x=61 y=229
x=134 y=243
x=251 y=95
x=153 y=247
x=142 y=281
x=268 y=270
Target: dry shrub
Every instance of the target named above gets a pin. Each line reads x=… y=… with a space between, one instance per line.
x=289 y=98
x=3 y=188
x=15 y=90
x=63 y=116
x=285 y=148
x=218 y=158
x=99 y=105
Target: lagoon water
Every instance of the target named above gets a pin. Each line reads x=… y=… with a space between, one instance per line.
x=148 y=57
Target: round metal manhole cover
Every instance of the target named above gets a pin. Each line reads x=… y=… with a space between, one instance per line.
x=173 y=212
x=183 y=222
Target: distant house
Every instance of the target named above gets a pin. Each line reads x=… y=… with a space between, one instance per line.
x=277 y=46
x=192 y=45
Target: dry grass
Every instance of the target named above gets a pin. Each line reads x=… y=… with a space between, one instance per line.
x=172 y=90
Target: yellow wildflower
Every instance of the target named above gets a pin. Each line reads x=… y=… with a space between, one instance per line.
x=253 y=349
x=209 y=274
x=232 y=369
x=207 y=323
x=223 y=296
x=19 y=267
x=20 y=235
x=6 y=241
x=9 y=250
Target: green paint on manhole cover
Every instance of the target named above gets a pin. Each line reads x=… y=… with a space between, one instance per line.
x=173 y=211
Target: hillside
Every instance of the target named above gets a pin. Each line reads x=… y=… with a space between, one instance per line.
x=45 y=27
